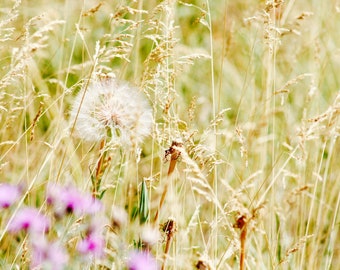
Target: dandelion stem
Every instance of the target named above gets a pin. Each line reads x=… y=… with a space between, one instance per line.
x=100 y=161
x=99 y=171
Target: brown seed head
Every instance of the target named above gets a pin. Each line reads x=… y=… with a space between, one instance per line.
x=169 y=227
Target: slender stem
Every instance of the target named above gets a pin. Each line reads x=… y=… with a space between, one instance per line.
x=100 y=161
x=169 y=228
x=99 y=170
x=161 y=201
x=166 y=250
x=242 y=223
x=172 y=165
x=243 y=237
x=175 y=153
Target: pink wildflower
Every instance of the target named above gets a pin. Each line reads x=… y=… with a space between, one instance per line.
x=31 y=220
x=68 y=200
x=9 y=194
x=141 y=261
x=47 y=255
x=92 y=245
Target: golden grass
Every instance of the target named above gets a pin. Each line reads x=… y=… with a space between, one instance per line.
x=249 y=87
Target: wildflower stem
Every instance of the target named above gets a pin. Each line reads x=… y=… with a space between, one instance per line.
x=175 y=153
x=243 y=237
x=169 y=228
x=166 y=250
x=161 y=201
x=242 y=223
x=172 y=165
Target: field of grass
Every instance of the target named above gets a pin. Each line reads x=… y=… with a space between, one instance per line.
x=188 y=134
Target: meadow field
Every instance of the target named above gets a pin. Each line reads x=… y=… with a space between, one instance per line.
x=146 y=135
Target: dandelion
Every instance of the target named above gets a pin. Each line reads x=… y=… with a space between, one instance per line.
x=9 y=194
x=113 y=111
x=141 y=261
x=31 y=220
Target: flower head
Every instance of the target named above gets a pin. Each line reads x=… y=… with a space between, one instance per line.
x=47 y=255
x=119 y=217
x=69 y=200
x=92 y=245
x=150 y=236
x=8 y=195
x=112 y=110
x=29 y=219
x=141 y=261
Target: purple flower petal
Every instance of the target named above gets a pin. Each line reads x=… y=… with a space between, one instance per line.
x=9 y=194
x=69 y=200
x=29 y=219
x=142 y=261
x=92 y=245
x=47 y=255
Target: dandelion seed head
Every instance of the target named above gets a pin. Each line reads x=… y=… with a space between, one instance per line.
x=112 y=110
x=119 y=217
x=150 y=236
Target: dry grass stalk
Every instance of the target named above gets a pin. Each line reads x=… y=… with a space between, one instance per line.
x=173 y=153
x=169 y=228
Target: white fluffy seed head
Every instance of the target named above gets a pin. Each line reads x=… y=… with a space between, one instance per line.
x=150 y=236
x=112 y=110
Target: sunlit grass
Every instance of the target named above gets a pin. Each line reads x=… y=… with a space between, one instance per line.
x=240 y=169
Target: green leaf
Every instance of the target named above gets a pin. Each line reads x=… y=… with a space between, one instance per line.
x=144 y=204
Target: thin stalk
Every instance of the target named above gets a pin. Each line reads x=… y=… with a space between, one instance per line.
x=99 y=171
x=174 y=155
x=242 y=223
x=169 y=228
x=243 y=238
x=213 y=95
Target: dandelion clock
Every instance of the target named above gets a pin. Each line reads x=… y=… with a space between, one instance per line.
x=112 y=110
